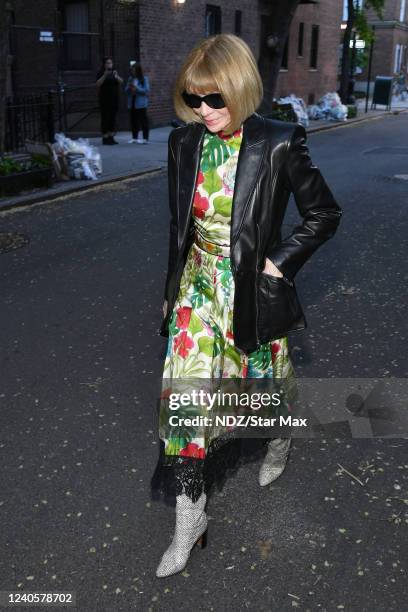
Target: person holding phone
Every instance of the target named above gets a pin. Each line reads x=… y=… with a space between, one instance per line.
x=138 y=89
x=108 y=82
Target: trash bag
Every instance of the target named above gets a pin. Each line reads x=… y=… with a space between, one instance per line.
x=298 y=106
x=83 y=159
x=315 y=112
x=328 y=107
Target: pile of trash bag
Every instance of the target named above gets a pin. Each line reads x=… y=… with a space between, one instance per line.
x=298 y=106
x=328 y=107
x=80 y=159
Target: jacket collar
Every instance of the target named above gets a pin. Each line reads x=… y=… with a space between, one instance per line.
x=249 y=164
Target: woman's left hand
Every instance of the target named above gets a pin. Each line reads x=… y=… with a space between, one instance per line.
x=271 y=269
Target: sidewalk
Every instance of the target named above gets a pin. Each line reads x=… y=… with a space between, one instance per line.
x=129 y=160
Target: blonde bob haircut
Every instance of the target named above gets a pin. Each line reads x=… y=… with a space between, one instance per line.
x=222 y=63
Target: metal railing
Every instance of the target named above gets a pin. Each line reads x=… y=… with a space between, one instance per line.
x=29 y=117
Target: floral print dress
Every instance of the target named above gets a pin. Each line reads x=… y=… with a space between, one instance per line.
x=201 y=340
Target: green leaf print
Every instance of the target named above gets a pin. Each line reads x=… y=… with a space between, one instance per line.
x=206 y=345
x=212 y=181
x=225 y=267
x=235 y=142
x=222 y=205
x=202 y=285
x=223 y=264
x=175 y=445
x=192 y=366
x=260 y=359
x=173 y=329
x=231 y=353
x=195 y=324
x=214 y=153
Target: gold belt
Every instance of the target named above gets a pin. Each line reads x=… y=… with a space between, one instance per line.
x=211 y=247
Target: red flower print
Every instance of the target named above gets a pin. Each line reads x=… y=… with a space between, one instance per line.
x=197 y=258
x=275 y=348
x=183 y=344
x=193 y=450
x=200 y=178
x=200 y=205
x=183 y=317
x=230 y=335
x=227 y=136
x=166 y=393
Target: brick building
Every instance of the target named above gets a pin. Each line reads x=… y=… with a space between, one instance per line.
x=391 y=41
x=62 y=41
x=310 y=65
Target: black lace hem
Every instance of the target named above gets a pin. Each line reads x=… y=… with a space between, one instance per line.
x=175 y=475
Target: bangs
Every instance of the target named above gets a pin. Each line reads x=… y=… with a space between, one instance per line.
x=199 y=79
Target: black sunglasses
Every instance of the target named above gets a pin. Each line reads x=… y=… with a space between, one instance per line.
x=212 y=100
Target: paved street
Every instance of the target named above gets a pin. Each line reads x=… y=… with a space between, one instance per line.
x=80 y=360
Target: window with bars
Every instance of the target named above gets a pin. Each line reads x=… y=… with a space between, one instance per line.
x=77 y=46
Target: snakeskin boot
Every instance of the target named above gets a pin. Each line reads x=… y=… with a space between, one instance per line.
x=275 y=460
x=191 y=529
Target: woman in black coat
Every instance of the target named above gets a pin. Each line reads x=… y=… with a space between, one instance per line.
x=230 y=296
x=108 y=82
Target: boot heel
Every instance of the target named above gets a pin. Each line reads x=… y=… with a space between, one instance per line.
x=202 y=540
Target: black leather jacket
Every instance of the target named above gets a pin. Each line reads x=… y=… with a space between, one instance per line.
x=273 y=161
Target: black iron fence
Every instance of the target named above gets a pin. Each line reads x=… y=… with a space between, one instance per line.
x=75 y=105
x=29 y=117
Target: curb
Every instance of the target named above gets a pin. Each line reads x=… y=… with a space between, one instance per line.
x=48 y=197
x=337 y=124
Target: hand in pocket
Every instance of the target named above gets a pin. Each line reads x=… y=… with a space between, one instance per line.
x=271 y=269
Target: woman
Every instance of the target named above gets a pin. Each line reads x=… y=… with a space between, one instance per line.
x=230 y=298
x=108 y=82
x=137 y=89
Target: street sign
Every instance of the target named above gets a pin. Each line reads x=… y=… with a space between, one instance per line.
x=46 y=36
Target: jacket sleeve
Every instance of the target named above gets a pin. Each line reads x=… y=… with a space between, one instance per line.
x=173 y=233
x=143 y=88
x=316 y=204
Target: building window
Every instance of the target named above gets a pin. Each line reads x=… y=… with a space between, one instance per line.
x=314 y=46
x=300 y=38
x=212 y=20
x=397 y=58
x=402 y=10
x=77 y=47
x=357 y=3
x=284 y=64
x=238 y=23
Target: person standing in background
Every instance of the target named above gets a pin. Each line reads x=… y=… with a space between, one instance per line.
x=108 y=82
x=137 y=89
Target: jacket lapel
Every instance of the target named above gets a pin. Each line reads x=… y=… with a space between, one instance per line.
x=249 y=164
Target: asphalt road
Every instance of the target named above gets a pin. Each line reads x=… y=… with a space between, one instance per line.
x=80 y=359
